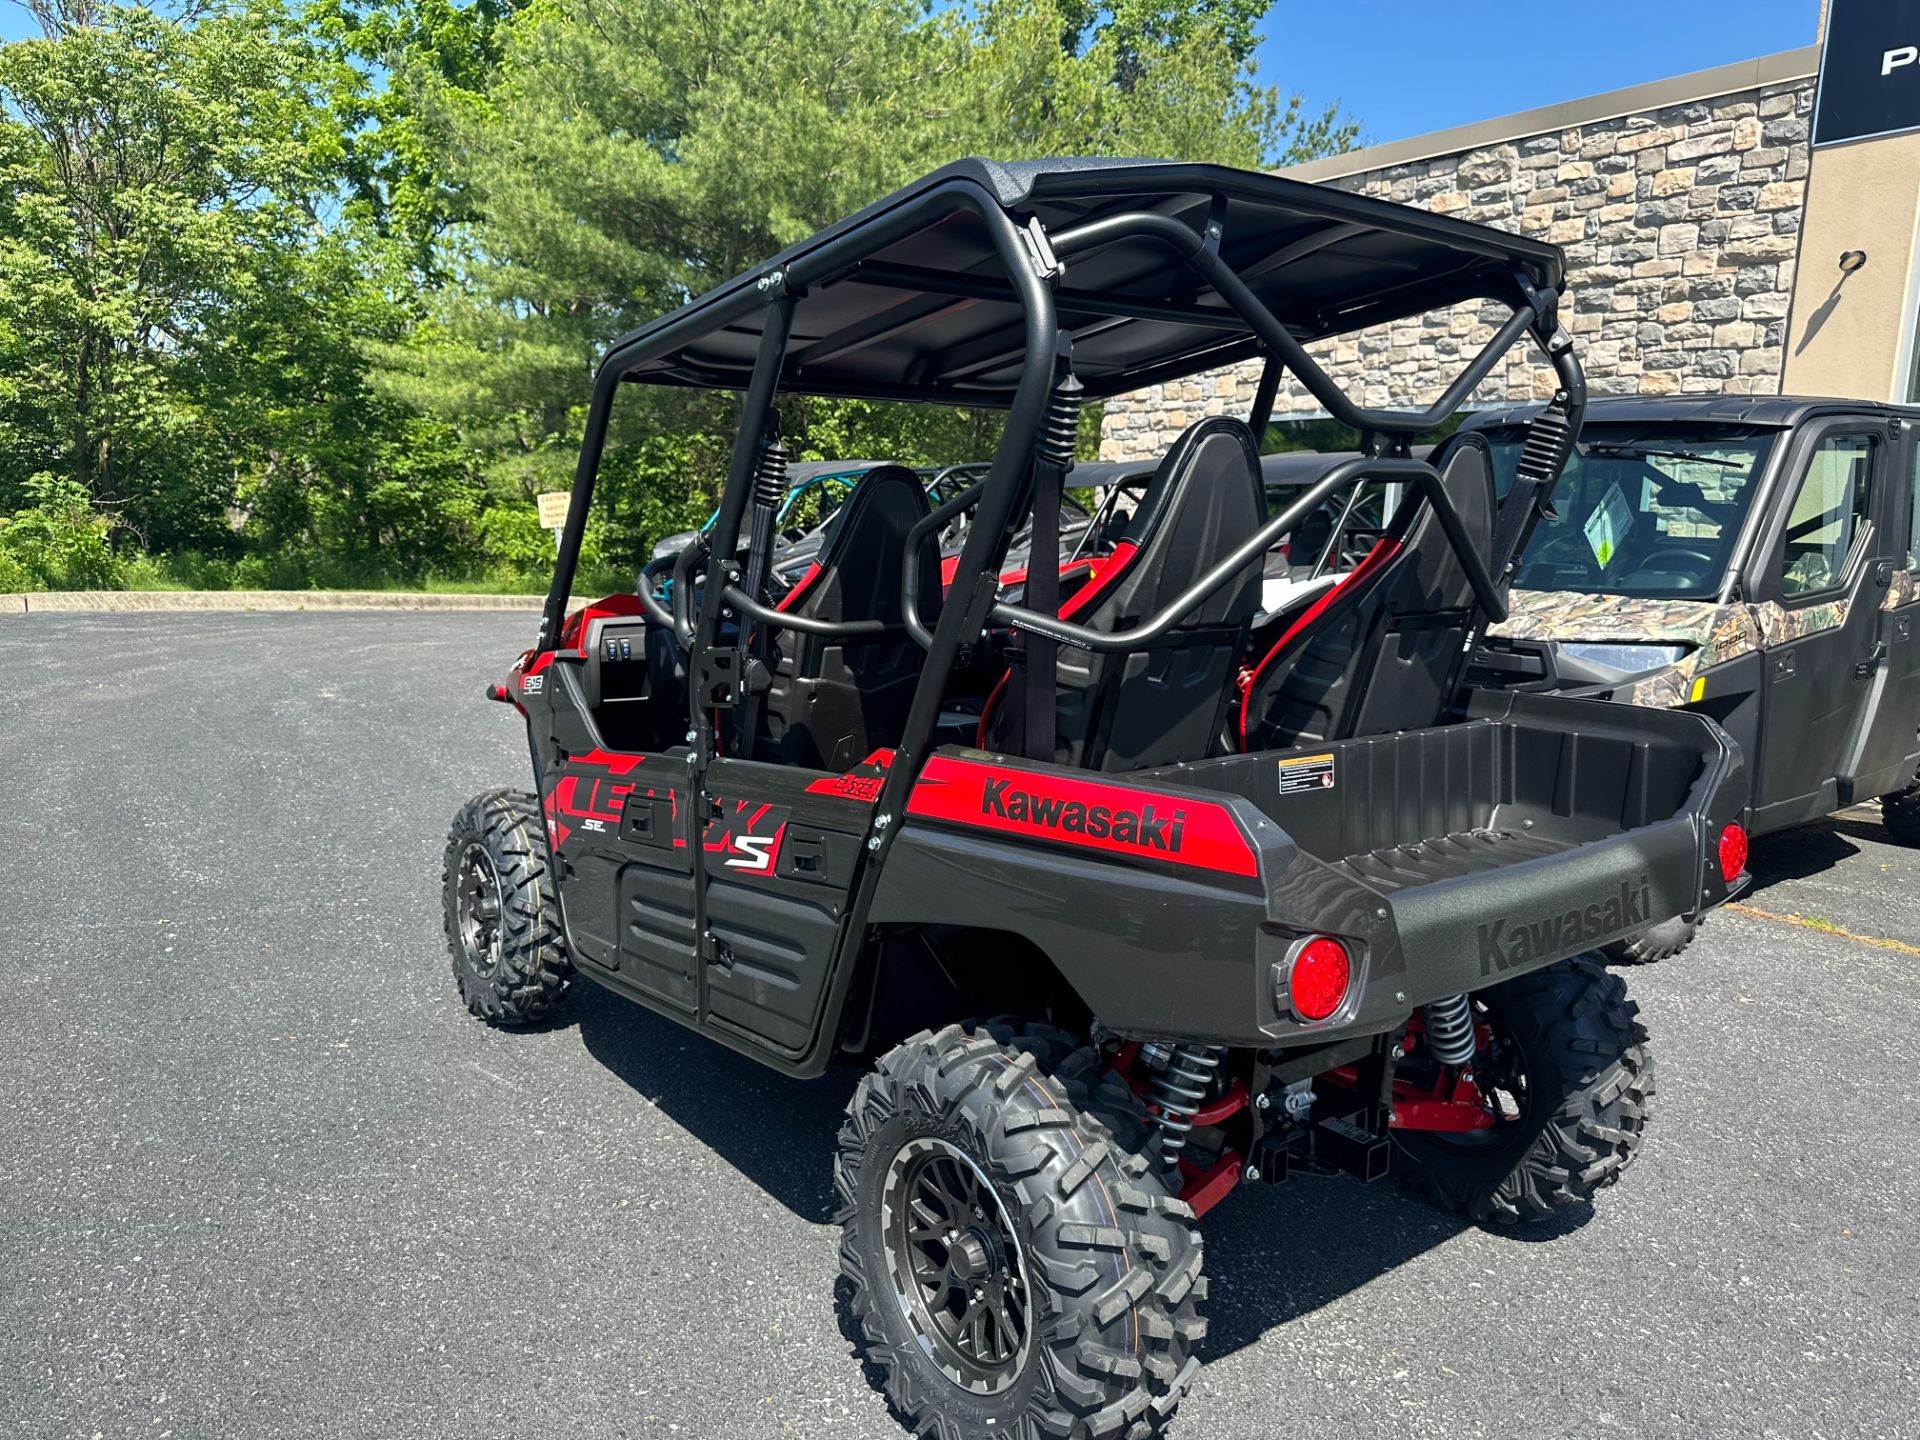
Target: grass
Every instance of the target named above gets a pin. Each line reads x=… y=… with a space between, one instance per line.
x=1825 y=927
x=194 y=572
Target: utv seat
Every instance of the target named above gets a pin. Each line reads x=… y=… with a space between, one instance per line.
x=1384 y=649
x=833 y=702
x=1163 y=703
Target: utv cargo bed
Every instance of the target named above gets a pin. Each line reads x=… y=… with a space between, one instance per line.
x=1444 y=859
x=1535 y=829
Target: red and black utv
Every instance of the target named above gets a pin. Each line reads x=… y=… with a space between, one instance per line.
x=1318 y=908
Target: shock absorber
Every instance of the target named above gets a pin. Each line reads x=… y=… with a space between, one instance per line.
x=1450 y=1030
x=1178 y=1090
x=1550 y=441
x=770 y=475
x=769 y=489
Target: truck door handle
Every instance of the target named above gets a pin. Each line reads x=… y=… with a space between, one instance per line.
x=1864 y=670
x=1783 y=666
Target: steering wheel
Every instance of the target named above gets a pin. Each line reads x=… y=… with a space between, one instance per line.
x=1646 y=562
x=1650 y=563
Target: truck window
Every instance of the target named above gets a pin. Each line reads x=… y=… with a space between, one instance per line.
x=1913 y=513
x=1828 y=514
x=1646 y=510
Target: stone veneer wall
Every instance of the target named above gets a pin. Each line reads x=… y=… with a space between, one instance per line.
x=1681 y=228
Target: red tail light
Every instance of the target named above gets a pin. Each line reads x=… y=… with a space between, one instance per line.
x=1320 y=978
x=1733 y=852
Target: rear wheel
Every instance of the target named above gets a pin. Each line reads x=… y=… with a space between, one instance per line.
x=1016 y=1268
x=502 y=921
x=1656 y=942
x=1564 y=1068
x=1901 y=812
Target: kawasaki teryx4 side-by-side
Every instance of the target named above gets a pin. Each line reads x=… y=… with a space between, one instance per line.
x=1320 y=908
x=1750 y=559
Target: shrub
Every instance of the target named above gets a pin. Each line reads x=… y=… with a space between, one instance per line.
x=59 y=542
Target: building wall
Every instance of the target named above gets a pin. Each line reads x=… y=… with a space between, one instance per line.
x=1850 y=333
x=1681 y=223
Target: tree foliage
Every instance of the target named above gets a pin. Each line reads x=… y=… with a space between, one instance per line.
x=309 y=295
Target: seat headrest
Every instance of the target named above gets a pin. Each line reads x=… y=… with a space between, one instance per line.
x=1215 y=452
x=858 y=574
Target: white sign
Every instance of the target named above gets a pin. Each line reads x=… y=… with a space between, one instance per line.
x=1608 y=525
x=553 y=509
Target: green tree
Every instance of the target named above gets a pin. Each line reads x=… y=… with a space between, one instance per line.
x=403 y=69
x=148 y=169
x=633 y=153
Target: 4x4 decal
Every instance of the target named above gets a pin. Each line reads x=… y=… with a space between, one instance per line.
x=1114 y=819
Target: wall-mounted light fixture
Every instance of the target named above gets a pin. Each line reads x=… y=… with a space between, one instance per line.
x=1852 y=261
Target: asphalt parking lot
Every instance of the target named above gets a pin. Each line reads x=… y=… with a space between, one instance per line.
x=260 y=1175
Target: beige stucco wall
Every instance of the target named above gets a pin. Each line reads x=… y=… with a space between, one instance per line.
x=1846 y=336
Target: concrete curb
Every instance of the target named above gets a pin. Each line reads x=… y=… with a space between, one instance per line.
x=210 y=601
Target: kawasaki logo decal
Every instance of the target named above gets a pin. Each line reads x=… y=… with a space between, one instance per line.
x=1143 y=827
x=1113 y=819
x=1505 y=943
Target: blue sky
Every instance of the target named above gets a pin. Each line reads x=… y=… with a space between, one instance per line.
x=1404 y=67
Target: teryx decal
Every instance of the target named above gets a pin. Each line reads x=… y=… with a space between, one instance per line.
x=591 y=802
x=1502 y=948
x=746 y=837
x=1113 y=819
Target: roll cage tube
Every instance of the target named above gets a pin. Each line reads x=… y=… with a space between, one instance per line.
x=1201 y=252
x=910 y=569
x=833 y=259
x=965 y=613
x=1348 y=472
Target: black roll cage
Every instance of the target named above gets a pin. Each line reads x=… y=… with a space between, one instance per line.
x=1031 y=260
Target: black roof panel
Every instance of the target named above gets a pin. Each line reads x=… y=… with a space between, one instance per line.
x=1781 y=410
x=927 y=313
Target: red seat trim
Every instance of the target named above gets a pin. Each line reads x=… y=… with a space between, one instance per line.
x=800 y=588
x=1105 y=578
x=1363 y=574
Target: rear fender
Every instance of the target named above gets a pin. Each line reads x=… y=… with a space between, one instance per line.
x=1170 y=936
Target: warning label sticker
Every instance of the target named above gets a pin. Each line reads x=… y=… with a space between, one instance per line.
x=1306 y=772
x=1608 y=525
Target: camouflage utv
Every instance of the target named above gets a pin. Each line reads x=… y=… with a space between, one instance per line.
x=1752 y=559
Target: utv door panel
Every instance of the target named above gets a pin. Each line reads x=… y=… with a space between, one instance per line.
x=1819 y=620
x=656 y=943
x=778 y=857
x=772 y=949
x=1884 y=752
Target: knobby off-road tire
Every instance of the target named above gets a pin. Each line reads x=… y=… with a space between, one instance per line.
x=503 y=925
x=1901 y=812
x=1656 y=942
x=1110 y=1261
x=1571 y=1037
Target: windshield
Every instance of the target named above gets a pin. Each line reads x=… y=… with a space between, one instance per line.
x=1643 y=510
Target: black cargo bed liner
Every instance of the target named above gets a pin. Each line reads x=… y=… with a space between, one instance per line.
x=1448 y=857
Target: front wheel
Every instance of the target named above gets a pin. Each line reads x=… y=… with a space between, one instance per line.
x=503 y=922
x=1016 y=1268
x=1567 y=1075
